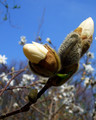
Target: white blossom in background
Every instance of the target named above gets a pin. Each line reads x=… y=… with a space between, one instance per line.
x=87 y=81
x=60 y=96
x=42 y=81
x=3 y=59
x=39 y=87
x=12 y=83
x=67 y=107
x=2 y=74
x=55 y=98
x=95 y=38
x=48 y=40
x=16 y=90
x=88 y=68
x=15 y=105
x=27 y=79
x=4 y=77
x=49 y=92
x=22 y=40
x=67 y=88
x=66 y=93
x=70 y=111
x=90 y=55
x=77 y=109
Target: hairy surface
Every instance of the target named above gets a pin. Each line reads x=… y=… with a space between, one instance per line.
x=70 y=50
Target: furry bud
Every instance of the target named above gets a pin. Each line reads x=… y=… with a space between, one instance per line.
x=70 y=50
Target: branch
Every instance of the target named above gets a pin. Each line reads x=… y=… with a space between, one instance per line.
x=58 y=110
x=40 y=25
x=21 y=87
x=39 y=111
x=50 y=111
x=26 y=107
x=22 y=70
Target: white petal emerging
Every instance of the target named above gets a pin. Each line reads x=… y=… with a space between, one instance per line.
x=35 y=52
x=87 y=27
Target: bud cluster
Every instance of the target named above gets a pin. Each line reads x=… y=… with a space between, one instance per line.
x=44 y=60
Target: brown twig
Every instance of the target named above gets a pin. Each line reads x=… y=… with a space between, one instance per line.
x=51 y=109
x=26 y=107
x=22 y=70
x=58 y=110
x=44 y=115
x=22 y=87
x=40 y=25
x=10 y=73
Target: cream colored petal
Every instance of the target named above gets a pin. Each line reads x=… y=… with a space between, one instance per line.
x=40 y=47
x=87 y=27
x=33 y=53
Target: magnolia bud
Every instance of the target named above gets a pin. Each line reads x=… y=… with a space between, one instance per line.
x=75 y=45
x=86 y=30
x=35 y=52
x=43 y=60
x=70 y=50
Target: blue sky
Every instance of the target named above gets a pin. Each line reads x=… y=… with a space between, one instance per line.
x=61 y=17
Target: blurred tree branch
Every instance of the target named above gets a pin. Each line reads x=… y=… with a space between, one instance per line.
x=6 y=9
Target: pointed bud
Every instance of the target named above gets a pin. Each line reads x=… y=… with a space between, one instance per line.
x=86 y=28
x=35 y=52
